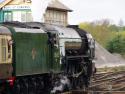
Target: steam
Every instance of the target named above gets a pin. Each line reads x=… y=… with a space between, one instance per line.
x=61 y=85
x=38 y=9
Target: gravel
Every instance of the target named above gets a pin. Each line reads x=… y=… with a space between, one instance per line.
x=103 y=58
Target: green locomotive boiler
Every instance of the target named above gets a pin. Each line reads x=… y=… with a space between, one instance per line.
x=38 y=58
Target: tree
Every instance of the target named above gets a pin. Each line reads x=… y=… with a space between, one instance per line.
x=104 y=22
x=117 y=44
x=114 y=28
x=121 y=23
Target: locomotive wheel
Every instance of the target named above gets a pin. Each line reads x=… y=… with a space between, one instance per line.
x=28 y=86
x=20 y=87
x=17 y=87
x=39 y=85
x=25 y=86
x=32 y=86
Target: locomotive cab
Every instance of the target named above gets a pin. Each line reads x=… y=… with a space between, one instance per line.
x=5 y=55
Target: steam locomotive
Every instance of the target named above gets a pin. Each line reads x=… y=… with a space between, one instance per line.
x=38 y=58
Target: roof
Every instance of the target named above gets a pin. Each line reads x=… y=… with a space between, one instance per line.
x=4 y=31
x=55 y=4
x=4 y=3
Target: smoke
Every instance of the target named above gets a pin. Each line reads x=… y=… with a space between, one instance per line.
x=38 y=9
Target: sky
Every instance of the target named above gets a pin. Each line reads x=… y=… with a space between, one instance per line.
x=1 y=1
x=91 y=10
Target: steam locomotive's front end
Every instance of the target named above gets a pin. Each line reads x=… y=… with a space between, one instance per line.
x=77 y=53
x=79 y=56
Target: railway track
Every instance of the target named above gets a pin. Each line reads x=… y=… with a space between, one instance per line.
x=108 y=81
x=94 y=92
x=108 y=75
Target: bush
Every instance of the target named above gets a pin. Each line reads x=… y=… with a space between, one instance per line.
x=117 y=44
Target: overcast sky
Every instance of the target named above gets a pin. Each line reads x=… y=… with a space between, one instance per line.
x=89 y=10
x=2 y=0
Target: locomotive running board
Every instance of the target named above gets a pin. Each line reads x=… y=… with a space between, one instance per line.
x=74 y=57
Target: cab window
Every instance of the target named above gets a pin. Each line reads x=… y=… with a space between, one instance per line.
x=5 y=49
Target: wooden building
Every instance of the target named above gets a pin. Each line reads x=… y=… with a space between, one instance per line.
x=20 y=10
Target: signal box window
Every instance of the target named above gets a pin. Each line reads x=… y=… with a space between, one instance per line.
x=7 y=16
